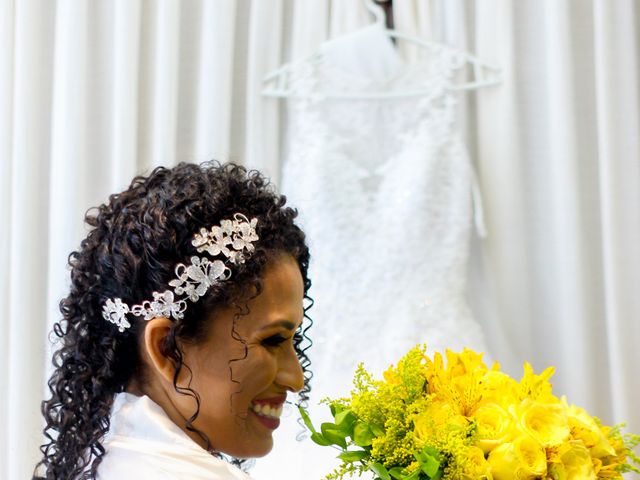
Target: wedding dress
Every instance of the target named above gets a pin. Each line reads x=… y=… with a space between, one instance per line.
x=143 y=442
x=384 y=189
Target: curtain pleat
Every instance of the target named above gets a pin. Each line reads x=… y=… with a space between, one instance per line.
x=501 y=297
x=617 y=80
x=213 y=105
x=25 y=320
x=262 y=144
x=310 y=27
x=159 y=84
x=7 y=10
x=124 y=87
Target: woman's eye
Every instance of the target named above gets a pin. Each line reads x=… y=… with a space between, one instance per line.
x=274 y=340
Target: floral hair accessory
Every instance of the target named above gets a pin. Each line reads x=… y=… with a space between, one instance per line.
x=232 y=239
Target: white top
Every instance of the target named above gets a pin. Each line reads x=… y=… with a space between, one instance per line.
x=143 y=442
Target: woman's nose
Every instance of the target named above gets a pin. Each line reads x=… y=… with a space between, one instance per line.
x=290 y=374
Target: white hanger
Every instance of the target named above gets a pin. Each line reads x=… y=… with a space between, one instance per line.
x=377 y=11
x=277 y=84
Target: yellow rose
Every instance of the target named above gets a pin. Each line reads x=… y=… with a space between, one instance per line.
x=476 y=467
x=575 y=463
x=524 y=458
x=584 y=427
x=546 y=422
x=495 y=426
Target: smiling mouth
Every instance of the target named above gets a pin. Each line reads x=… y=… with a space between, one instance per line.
x=266 y=410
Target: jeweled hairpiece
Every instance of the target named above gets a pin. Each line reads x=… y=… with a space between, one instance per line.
x=232 y=238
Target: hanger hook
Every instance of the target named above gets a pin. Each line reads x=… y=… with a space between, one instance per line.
x=377 y=11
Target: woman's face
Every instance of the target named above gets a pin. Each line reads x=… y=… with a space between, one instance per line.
x=242 y=396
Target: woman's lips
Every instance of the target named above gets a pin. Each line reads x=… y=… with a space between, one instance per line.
x=270 y=423
x=277 y=400
x=268 y=410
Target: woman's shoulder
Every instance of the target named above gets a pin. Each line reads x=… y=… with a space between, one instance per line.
x=126 y=461
x=143 y=443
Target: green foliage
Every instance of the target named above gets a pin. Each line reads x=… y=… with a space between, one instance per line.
x=373 y=429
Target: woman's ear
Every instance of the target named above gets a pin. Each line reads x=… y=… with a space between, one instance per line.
x=155 y=333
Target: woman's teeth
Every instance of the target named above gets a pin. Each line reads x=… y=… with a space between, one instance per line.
x=267 y=410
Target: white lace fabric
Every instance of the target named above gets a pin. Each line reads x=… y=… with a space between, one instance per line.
x=384 y=190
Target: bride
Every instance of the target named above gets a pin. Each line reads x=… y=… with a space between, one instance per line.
x=182 y=334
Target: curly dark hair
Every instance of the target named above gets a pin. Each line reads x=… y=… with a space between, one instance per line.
x=137 y=239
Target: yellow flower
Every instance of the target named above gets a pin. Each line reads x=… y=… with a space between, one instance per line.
x=459 y=382
x=574 y=463
x=495 y=426
x=524 y=458
x=476 y=466
x=584 y=427
x=464 y=363
x=546 y=422
x=391 y=377
x=436 y=416
x=500 y=388
x=537 y=387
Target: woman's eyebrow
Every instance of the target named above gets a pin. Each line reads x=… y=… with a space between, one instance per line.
x=281 y=323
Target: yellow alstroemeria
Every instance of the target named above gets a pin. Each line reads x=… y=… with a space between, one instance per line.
x=500 y=388
x=537 y=387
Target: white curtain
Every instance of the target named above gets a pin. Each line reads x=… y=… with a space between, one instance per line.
x=93 y=92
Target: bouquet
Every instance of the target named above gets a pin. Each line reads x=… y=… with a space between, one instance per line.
x=431 y=419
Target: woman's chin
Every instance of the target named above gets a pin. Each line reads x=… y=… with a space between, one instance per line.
x=254 y=450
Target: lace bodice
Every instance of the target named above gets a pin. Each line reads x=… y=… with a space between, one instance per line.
x=384 y=190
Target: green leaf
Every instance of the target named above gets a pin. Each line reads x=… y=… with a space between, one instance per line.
x=362 y=434
x=433 y=451
x=430 y=466
x=306 y=419
x=377 y=430
x=430 y=459
x=332 y=433
x=396 y=472
x=320 y=440
x=336 y=408
x=380 y=470
x=428 y=452
x=414 y=476
x=345 y=418
x=438 y=475
x=354 y=455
